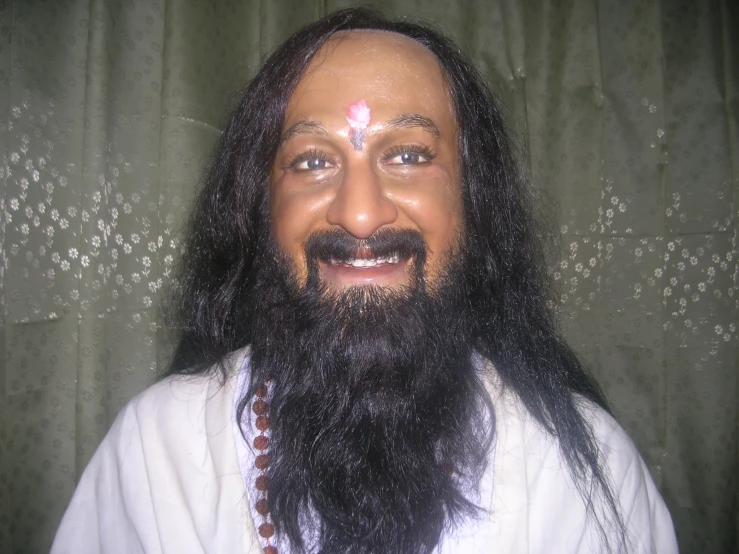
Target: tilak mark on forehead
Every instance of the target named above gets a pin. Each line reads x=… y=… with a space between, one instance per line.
x=358 y=116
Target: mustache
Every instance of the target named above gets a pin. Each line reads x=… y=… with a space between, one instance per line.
x=338 y=245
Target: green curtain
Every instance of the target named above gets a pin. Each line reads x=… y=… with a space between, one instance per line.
x=626 y=111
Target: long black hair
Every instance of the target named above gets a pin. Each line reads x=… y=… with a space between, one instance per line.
x=515 y=324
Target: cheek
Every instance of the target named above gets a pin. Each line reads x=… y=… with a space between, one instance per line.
x=286 y=222
x=294 y=215
x=436 y=208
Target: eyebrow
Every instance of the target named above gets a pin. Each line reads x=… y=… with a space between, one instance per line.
x=413 y=120
x=403 y=121
x=304 y=127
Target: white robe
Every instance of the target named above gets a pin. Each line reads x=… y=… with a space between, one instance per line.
x=167 y=479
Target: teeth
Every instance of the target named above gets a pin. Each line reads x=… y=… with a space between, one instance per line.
x=369 y=262
x=363 y=263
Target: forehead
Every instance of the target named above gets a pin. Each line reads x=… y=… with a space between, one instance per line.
x=393 y=73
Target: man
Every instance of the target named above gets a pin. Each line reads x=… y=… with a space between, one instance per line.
x=368 y=362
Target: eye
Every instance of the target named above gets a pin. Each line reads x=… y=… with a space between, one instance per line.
x=313 y=160
x=407 y=158
x=408 y=155
x=311 y=165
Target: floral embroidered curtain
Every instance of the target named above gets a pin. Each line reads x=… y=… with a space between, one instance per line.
x=627 y=113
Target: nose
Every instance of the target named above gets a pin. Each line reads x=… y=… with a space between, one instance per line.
x=361 y=205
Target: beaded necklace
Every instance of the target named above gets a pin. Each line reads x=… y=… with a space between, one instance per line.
x=261 y=442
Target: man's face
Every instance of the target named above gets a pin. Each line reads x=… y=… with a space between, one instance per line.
x=400 y=173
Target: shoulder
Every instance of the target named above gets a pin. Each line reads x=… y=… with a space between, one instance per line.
x=180 y=417
x=533 y=480
x=168 y=458
x=618 y=452
x=645 y=515
x=183 y=394
x=515 y=425
x=176 y=402
x=172 y=417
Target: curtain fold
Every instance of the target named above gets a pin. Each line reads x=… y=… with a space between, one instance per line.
x=627 y=119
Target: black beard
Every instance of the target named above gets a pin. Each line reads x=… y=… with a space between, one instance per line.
x=380 y=423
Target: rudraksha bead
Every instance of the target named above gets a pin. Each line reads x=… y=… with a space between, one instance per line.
x=259 y=407
x=266 y=530
x=262 y=507
x=262 y=483
x=262 y=423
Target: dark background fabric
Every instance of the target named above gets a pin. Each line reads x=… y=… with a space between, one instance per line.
x=626 y=111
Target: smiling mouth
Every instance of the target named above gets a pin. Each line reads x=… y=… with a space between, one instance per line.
x=361 y=263
x=389 y=270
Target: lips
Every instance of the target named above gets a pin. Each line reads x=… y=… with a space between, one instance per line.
x=387 y=270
